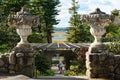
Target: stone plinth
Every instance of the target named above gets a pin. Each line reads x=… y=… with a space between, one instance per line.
x=21 y=60
x=100 y=66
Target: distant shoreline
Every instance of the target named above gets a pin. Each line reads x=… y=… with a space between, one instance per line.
x=59 y=36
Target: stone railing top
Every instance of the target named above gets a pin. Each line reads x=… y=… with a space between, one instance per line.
x=23 y=19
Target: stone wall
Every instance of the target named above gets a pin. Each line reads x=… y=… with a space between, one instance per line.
x=4 y=63
x=99 y=65
x=103 y=65
x=19 y=61
x=117 y=67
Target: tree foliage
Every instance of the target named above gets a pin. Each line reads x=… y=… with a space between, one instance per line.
x=77 y=32
x=46 y=10
x=112 y=30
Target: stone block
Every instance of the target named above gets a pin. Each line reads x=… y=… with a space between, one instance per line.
x=3 y=70
x=1 y=63
x=117 y=59
x=30 y=61
x=117 y=77
x=11 y=67
x=117 y=70
x=30 y=54
x=28 y=70
x=12 y=72
x=104 y=76
x=19 y=54
x=102 y=57
x=12 y=59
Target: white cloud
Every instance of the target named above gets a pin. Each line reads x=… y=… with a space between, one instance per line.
x=86 y=6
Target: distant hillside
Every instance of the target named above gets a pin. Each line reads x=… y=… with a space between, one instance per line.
x=61 y=29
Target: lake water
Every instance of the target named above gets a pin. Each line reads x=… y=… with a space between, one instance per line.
x=60 y=37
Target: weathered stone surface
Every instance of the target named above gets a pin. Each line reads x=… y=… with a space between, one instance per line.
x=117 y=58
x=20 y=61
x=30 y=54
x=19 y=54
x=1 y=63
x=3 y=70
x=100 y=65
x=12 y=59
x=117 y=67
x=11 y=67
x=28 y=70
x=25 y=48
x=12 y=72
x=18 y=77
x=30 y=61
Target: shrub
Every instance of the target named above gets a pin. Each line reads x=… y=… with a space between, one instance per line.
x=70 y=73
x=4 y=48
x=41 y=63
x=49 y=73
x=114 y=47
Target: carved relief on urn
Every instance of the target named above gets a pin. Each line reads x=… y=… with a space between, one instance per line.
x=23 y=21
x=97 y=20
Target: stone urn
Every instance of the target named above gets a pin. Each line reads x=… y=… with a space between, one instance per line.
x=23 y=21
x=21 y=59
x=97 y=55
x=97 y=20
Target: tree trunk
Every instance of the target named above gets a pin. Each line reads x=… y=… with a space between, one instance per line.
x=48 y=34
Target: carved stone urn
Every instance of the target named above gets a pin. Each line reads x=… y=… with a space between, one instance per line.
x=97 y=20
x=21 y=59
x=23 y=21
x=96 y=57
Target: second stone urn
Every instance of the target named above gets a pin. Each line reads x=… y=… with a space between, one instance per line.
x=97 y=20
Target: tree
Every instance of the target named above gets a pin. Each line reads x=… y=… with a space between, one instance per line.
x=112 y=30
x=77 y=32
x=46 y=10
x=80 y=33
x=112 y=33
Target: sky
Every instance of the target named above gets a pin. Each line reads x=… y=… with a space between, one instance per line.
x=85 y=7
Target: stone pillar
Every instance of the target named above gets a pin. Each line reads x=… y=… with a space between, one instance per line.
x=21 y=59
x=99 y=63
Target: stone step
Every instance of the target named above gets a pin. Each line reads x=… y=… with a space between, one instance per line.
x=62 y=78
